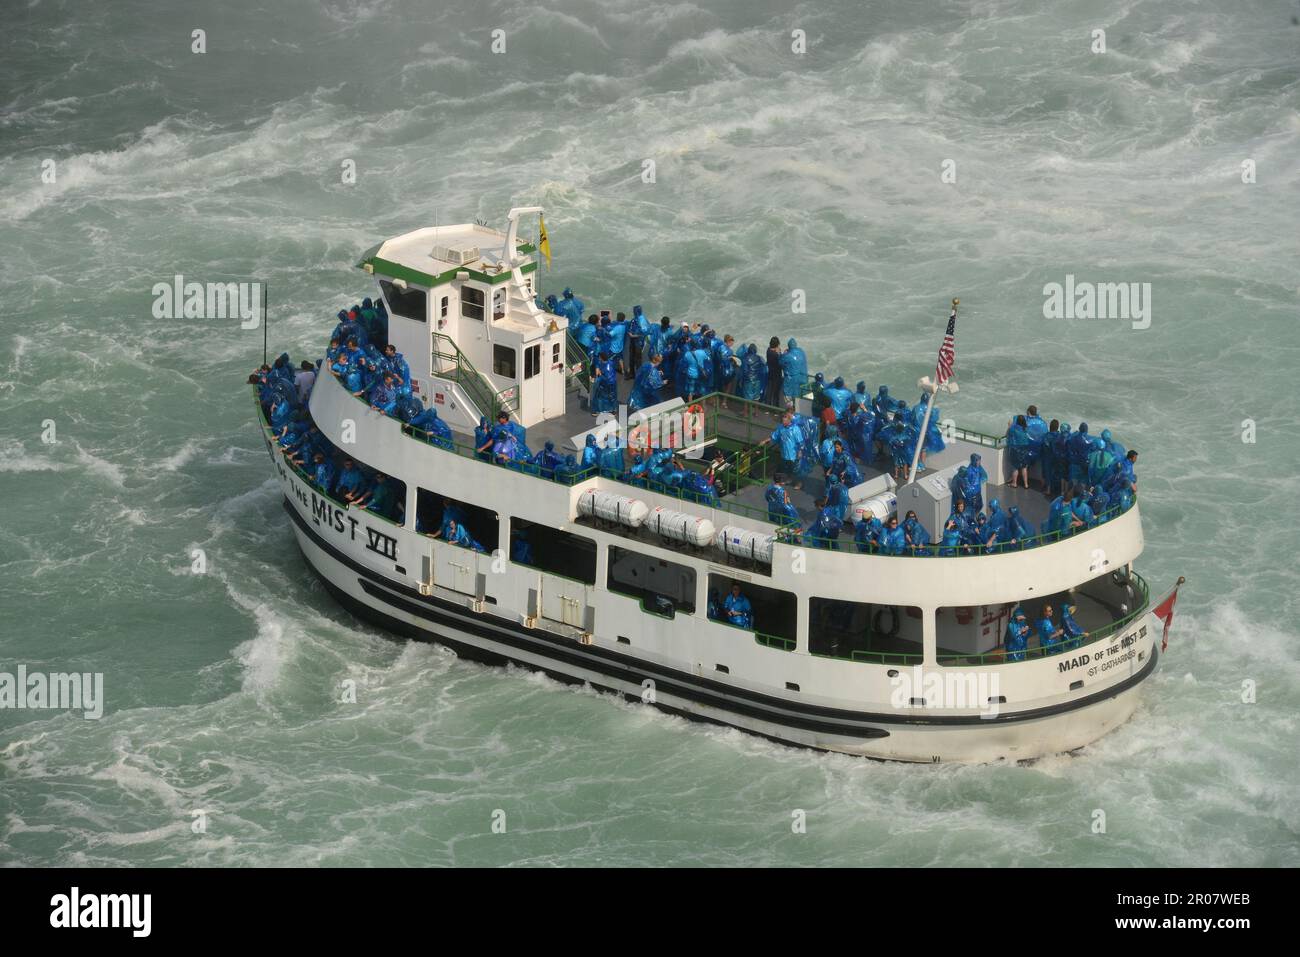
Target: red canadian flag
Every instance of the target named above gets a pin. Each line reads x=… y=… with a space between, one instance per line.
x=1165 y=612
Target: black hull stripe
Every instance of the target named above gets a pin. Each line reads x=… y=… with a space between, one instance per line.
x=694 y=687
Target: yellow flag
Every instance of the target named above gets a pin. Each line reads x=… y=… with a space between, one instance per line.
x=543 y=241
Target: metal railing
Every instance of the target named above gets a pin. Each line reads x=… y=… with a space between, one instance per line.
x=577 y=364
x=1065 y=646
x=450 y=363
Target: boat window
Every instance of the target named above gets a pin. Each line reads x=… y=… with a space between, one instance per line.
x=408 y=303
x=532 y=361
x=471 y=302
x=503 y=361
x=432 y=509
x=552 y=551
x=499 y=303
x=663 y=587
x=772 y=613
x=442 y=307
x=860 y=631
x=978 y=634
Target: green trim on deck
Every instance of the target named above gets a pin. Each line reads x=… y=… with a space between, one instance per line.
x=391 y=270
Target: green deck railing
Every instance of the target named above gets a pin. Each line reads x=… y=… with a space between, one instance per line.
x=450 y=363
x=1066 y=647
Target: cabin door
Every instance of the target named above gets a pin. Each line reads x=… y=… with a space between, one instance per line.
x=568 y=602
x=455 y=568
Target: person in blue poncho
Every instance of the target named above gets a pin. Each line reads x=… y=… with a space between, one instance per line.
x=997 y=517
x=714 y=605
x=584 y=333
x=571 y=306
x=960 y=514
x=1099 y=502
x=837 y=496
x=860 y=428
x=825 y=531
x=894 y=541
x=483 y=440
x=1020 y=448
x=843 y=467
x=618 y=342
x=1116 y=450
x=738 y=609
x=780 y=510
x=867 y=533
x=704 y=365
x=1049 y=636
x=604 y=385
x=973 y=483
x=1099 y=462
x=322 y=473
x=394 y=362
x=951 y=540
x=838 y=396
x=1016 y=639
x=383 y=498
x=568 y=472
x=753 y=374
x=1035 y=425
x=1071 y=630
x=547 y=460
x=351 y=481
x=826 y=451
x=725 y=366
x=1082 y=512
x=521 y=550
x=1019 y=531
x=808 y=428
x=590 y=455
x=456 y=534
x=794 y=370
x=1078 y=448
x=638 y=329
x=611 y=459
x=505 y=449
x=436 y=431
x=1057 y=444
x=915 y=536
x=383 y=395
x=789 y=439
x=883 y=403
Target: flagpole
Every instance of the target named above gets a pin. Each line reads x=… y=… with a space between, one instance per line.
x=925 y=422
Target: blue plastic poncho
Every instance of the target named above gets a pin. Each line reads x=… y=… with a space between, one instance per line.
x=794 y=370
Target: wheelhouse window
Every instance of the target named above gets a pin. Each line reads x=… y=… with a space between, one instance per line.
x=532 y=361
x=408 y=303
x=503 y=361
x=499 y=302
x=553 y=551
x=860 y=631
x=442 y=307
x=471 y=303
x=663 y=587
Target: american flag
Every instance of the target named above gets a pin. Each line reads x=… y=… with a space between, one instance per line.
x=947 y=351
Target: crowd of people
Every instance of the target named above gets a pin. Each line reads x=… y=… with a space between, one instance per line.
x=1054 y=635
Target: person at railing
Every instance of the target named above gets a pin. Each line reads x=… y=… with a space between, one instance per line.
x=960 y=515
x=740 y=613
x=837 y=496
x=825 y=531
x=1020 y=449
x=383 y=394
x=456 y=534
x=1081 y=512
x=506 y=449
x=383 y=499
x=1047 y=461
x=584 y=332
x=1071 y=629
x=611 y=458
x=696 y=487
x=569 y=472
x=1049 y=635
x=1099 y=502
x=952 y=538
x=752 y=374
x=604 y=385
x=794 y=370
x=638 y=471
x=1119 y=489
x=657 y=342
x=725 y=365
x=860 y=395
x=775 y=377
x=590 y=455
x=703 y=355
x=304 y=448
x=571 y=307
x=978 y=537
x=483 y=440
x=430 y=427
x=547 y=460
x=915 y=535
x=374 y=320
x=1020 y=531
x=351 y=483
x=894 y=541
x=885 y=405
x=1015 y=640
x=322 y=473
x=997 y=518
x=780 y=510
x=1035 y=425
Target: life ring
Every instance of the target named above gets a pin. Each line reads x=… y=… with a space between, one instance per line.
x=896 y=621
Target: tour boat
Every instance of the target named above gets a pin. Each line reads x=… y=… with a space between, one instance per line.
x=889 y=656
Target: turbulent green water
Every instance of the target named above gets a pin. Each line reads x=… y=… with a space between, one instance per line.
x=774 y=172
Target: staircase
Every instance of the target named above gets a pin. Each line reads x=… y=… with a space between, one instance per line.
x=452 y=365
